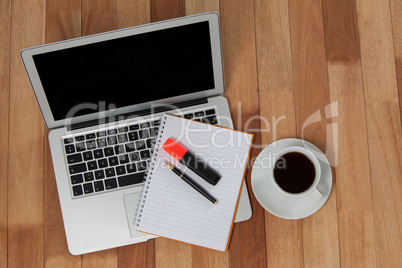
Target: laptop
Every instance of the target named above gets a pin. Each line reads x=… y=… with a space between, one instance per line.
x=102 y=95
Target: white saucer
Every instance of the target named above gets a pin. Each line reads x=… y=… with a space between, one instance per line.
x=277 y=203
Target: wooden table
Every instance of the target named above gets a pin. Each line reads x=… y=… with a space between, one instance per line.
x=325 y=71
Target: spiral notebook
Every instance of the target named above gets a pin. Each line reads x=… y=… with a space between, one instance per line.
x=170 y=208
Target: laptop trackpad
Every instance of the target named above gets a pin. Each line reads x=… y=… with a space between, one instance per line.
x=130 y=203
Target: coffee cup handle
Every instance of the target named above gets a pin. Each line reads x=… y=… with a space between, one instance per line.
x=317 y=194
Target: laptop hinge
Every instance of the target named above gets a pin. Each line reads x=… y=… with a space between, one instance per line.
x=153 y=110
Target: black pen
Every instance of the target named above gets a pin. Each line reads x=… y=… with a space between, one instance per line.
x=192 y=183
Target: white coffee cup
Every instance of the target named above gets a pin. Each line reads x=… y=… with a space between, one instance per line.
x=312 y=189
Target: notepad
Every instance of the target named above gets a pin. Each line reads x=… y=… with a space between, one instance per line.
x=170 y=208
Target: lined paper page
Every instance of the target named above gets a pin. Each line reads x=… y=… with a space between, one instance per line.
x=170 y=208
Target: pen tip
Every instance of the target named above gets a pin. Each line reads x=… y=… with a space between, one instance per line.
x=216 y=202
x=168 y=164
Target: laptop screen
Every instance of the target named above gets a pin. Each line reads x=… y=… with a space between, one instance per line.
x=128 y=70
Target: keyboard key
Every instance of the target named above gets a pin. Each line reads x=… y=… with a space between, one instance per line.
x=119 y=149
x=80 y=138
x=89 y=176
x=102 y=163
x=198 y=114
x=210 y=112
x=150 y=143
x=210 y=120
x=98 y=153
x=143 y=133
x=70 y=149
x=140 y=145
x=134 y=127
x=87 y=155
x=112 y=131
x=102 y=142
x=99 y=174
x=123 y=159
x=108 y=151
x=112 y=140
x=130 y=147
x=110 y=183
x=92 y=165
x=189 y=116
x=113 y=161
x=123 y=129
x=68 y=140
x=101 y=134
x=77 y=168
x=77 y=190
x=98 y=186
x=74 y=158
x=90 y=136
x=120 y=170
x=122 y=138
x=145 y=154
x=76 y=179
x=88 y=188
x=156 y=123
x=131 y=179
x=80 y=147
x=153 y=132
x=134 y=156
x=110 y=172
x=142 y=165
x=131 y=168
x=145 y=125
x=133 y=136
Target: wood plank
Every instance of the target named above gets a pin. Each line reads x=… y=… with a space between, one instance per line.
x=132 y=12
x=63 y=21
x=138 y=255
x=354 y=199
x=201 y=6
x=25 y=173
x=284 y=244
x=166 y=9
x=5 y=27
x=320 y=231
x=240 y=69
x=98 y=16
x=171 y=253
x=383 y=128
x=396 y=16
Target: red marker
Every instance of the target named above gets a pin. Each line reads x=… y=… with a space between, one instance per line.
x=194 y=163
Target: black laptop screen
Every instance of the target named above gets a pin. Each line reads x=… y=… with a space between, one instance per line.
x=128 y=70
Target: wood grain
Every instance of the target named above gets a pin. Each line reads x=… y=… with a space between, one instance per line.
x=354 y=200
x=284 y=62
x=166 y=9
x=396 y=17
x=132 y=13
x=320 y=231
x=284 y=242
x=240 y=69
x=98 y=16
x=63 y=21
x=383 y=128
x=26 y=137
x=5 y=28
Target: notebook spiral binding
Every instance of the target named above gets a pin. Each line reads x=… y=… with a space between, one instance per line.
x=151 y=169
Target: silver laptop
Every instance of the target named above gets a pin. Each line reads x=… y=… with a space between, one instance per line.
x=102 y=95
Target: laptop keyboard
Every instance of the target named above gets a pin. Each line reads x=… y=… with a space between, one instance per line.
x=117 y=157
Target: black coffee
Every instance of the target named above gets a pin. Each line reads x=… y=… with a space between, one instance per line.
x=294 y=172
